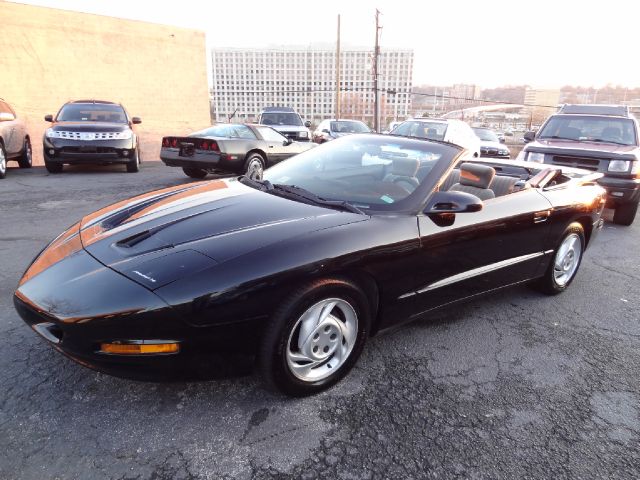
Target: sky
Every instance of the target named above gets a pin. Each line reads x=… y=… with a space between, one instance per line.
x=545 y=44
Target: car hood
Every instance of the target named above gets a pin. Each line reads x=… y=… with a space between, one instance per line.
x=289 y=128
x=549 y=145
x=162 y=236
x=89 y=127
x=498 y=145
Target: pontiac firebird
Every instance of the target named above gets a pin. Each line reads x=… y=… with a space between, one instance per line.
x=297 y=270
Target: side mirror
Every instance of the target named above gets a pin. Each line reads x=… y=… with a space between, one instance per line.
x=501 y=139
x=48 y=118
x=453 y=202
x=529 y=136
x=286 y=142
x=136 y=120
x=307 y=124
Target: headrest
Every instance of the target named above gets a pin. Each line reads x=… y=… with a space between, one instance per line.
x=405 y=167
x=475 y=175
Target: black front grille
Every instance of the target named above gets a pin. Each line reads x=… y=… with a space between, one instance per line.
x=577 y=162
x=88 y=149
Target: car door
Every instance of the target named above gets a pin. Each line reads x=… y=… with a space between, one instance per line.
x=500 y=245
x=10 y=136
x=278 y=147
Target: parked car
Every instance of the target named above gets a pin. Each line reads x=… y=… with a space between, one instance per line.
x=14 y=139
x=298 y=270
x=286 y=121
x=444 y=130
x=229 y=148
x=91 y=132
x=332 y=129
x=602 y=138
x=490 y=144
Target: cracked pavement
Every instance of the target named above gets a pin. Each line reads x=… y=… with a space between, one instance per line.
x=514 y=385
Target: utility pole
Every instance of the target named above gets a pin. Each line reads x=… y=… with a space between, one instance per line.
x=337 y=113
x=376 y=93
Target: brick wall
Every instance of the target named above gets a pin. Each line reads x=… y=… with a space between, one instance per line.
x=50 y=56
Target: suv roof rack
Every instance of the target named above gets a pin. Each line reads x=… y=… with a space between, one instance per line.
x=278 y=109
x=93 y=101
x=593 y=109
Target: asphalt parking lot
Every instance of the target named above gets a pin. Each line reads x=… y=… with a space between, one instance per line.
x=515 y=385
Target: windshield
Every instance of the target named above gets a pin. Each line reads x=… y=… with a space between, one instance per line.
x=281 y=119
x=345 y=126
x=590 y=128
x=91 y=112
x=486 y=135
x=430 y=130
x=226 y=131
x=369 y=172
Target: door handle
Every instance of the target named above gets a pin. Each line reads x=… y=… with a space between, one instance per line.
x=270 y=146
x=542 y=216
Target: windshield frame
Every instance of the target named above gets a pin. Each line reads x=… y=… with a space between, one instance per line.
x=287 y=115
x=94 y=107
x=486 y=130
x=569 y=117
x=411 y=204
x=334 y=123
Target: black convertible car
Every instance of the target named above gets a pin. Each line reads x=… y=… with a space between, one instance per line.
x=298 y=269
x=229 y=148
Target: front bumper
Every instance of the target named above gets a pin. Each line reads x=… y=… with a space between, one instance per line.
x=621 y=190
x=57 y=150
x=77 y=304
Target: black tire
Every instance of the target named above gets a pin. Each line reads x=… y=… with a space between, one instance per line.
x=272 y=355
x=134 y=165
x=3 y=161
x=53 y=167
x=254 y=166
x=548 y=284
x=625 y=214
x=25 y=160
x=194 y=172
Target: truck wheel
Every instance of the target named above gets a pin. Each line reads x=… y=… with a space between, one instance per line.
x=53 y=167
x=194 y=172
x=134 y=165
x=25 y=158
x=625 y=213
x=3 y=162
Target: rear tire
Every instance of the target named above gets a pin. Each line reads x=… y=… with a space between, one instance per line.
x=53 y=167
x=625 y=214
x=315 y=337
x=194 y=172
x=254 y=166
x=134 y=165
x=565 y=263
x=26 y=159
x=3 y=161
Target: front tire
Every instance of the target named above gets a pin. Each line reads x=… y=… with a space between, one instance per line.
x=625 y=214
x=53 y=167
x=254 y=166
x=315 y=337
x=26 y=160
x=134 y=165
x=566 y=262
x=194 y=172
x=3 y=161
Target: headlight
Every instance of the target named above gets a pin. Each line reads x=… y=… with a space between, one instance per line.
x=535 y=157
x=619 y=166
x=303 y=134
x=635 y=167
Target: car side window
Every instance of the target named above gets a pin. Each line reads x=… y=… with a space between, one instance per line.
x=270 y=135
x=242 y=131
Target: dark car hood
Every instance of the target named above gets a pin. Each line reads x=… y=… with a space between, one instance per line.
x=611 y=150
x=192 y=227
x=89 y=127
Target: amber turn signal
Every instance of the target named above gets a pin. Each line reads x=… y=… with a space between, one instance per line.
x=139 y=348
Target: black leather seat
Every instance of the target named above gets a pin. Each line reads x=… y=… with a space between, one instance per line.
x=475 y=179
x=503 y=185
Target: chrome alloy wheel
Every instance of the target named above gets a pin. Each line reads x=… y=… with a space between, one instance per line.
x=3 y=161
x=255 y=169
x=322 y=339
x=567 y=259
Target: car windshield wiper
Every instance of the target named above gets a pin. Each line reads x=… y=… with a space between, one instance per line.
x=263 y=185
x=302 y=193
x=556 y=137
x=609 y=141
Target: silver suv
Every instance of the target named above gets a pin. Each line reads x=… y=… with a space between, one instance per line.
x=14 y=141
x=286 y=121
